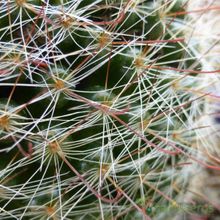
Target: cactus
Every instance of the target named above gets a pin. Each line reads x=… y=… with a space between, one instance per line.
x=98 y=106
x=203 y=36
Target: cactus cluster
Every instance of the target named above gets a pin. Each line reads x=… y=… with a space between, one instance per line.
x=98 y=103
